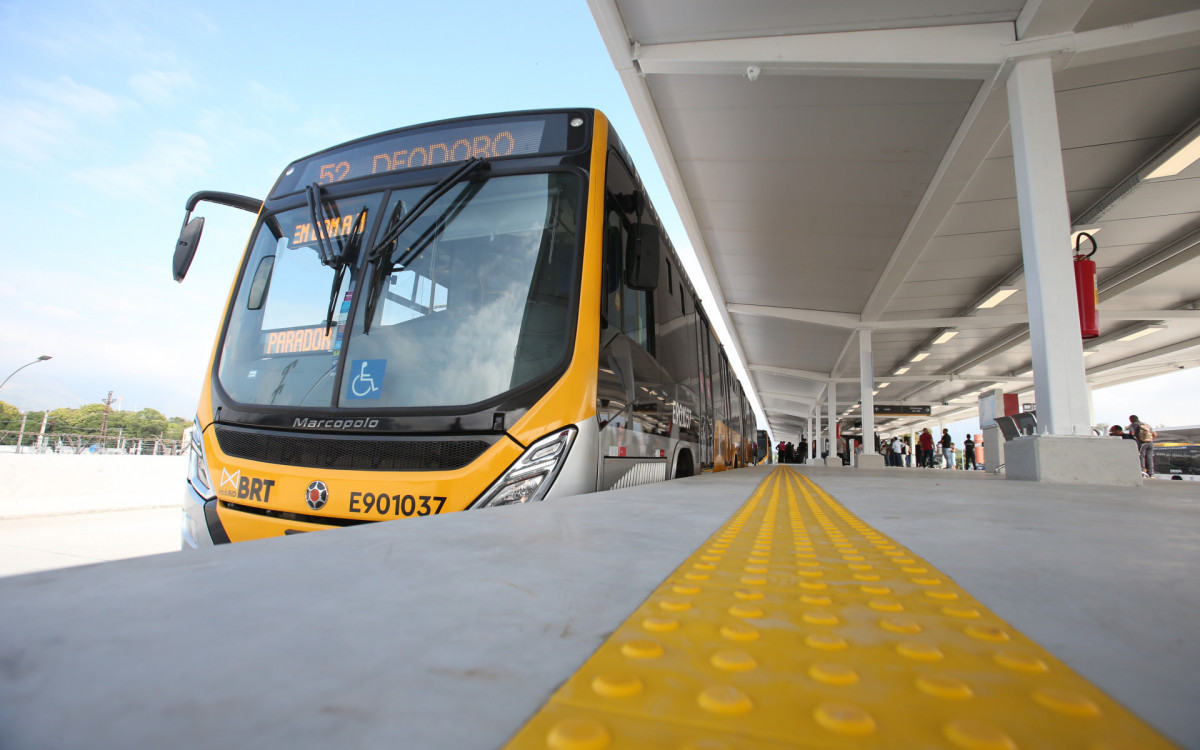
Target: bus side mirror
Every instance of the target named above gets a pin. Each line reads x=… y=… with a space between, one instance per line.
x=185 y=247
x=642 y=258
x=189 y=236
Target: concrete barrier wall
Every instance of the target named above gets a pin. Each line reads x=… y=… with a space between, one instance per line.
x=49 y=484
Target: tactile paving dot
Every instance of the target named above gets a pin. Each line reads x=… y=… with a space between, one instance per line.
x=799 y=625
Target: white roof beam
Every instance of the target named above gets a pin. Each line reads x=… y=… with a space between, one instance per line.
x=801 y=415
x=1145 y=356
x=787 y=372
x=806 y=400
x=1042 y=17
x=1152 y=36
x=937 y=377
x=1183 y=250
x=817 y=317
x=987 y=320
x=966 y=51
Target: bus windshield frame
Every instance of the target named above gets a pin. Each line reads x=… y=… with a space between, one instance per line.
x=280 y=351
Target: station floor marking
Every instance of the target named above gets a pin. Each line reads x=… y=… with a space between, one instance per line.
x=799 y=626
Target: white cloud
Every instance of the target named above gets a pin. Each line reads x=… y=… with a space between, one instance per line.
x=270 y=99
x=168 y=157
x=55 y=311
x=158 y=86
x=76 y=98
x=52 y=114
x=31 y=129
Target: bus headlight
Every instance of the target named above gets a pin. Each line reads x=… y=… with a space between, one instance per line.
x=198 y=475
x=529 y=479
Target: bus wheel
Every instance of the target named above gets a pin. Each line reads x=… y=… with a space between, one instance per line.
x=683 y=465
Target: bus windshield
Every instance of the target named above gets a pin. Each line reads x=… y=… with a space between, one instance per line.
x=471 y=301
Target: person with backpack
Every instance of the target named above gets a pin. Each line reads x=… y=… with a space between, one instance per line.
x=1145 y=435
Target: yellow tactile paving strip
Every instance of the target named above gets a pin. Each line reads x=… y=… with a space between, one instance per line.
x=798 y=625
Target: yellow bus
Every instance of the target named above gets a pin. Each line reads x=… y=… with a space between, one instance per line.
x=463 y=314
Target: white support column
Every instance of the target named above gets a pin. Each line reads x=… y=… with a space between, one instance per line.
x=831 y=423
x=866 y=375
x=869 y=458
x=811 y=425
x=1059 y=379
x=1063 y=450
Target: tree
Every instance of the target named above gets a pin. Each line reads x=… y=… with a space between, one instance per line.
x=10 y=416
x=86 y=420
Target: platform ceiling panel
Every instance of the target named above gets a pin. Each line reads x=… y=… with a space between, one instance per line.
x=786 y=344
x=855 y=160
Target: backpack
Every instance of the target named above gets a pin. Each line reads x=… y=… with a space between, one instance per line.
x=1144 y=433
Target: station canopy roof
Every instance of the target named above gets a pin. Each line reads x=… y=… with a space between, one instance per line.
x=840 y=166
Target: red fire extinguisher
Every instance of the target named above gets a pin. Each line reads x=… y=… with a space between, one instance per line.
x=1086 y=291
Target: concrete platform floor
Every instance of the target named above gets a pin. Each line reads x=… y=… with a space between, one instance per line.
x=450 y=631
x=34 y=543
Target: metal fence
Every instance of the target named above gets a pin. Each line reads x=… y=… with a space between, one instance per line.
x=74 y=443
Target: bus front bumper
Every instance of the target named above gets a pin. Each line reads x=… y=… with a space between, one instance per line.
x=199 y=525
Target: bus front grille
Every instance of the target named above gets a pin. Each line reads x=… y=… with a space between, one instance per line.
x=363 y=453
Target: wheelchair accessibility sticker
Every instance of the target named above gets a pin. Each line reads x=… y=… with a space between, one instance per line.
x=366 y=378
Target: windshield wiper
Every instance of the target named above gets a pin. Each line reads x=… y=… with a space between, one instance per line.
x=347 y=249
x=397 y=226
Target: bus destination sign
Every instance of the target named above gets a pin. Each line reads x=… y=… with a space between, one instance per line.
x=483 y=139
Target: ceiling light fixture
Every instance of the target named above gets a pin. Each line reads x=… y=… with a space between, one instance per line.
x=946 y=336
x=1183 y=157
x=1172 y=159
x=901 y=370
x=920 y=356
x=997 y=297
x=1141 y=332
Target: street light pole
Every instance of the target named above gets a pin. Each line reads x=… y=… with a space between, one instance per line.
x=42 y=358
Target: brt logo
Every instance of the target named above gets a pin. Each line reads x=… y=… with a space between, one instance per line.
x=245 y=488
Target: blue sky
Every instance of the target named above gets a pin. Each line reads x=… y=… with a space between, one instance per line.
x=115 y=112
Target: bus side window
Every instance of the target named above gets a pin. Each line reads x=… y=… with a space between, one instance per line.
x=627 y=309
x=612 y=300
x=637 y=318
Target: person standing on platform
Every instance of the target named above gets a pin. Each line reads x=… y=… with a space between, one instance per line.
x=803 y=450
x=1144 y=434
x=897 y=451
x=969 y=453
x=925 y=457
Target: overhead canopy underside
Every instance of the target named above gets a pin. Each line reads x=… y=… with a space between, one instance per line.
x=840 y=166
